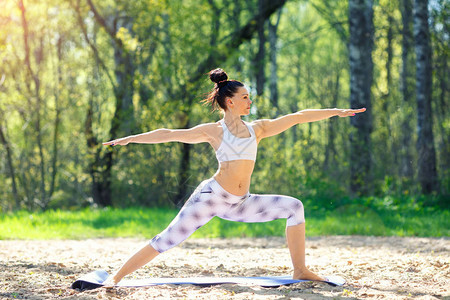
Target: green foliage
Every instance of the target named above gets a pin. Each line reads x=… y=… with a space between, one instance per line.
x=357 y=219
x=81 y=224
x=366 y=216
x=167 y=41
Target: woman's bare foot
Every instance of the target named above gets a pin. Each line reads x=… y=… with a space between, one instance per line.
x=306 y=274
x=110 y=281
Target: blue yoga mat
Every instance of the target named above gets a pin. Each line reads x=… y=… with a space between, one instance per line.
x=95 y=280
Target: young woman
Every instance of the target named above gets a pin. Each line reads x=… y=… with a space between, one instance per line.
x=226 y=194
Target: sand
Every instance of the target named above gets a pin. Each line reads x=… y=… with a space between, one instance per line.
x=374 y=267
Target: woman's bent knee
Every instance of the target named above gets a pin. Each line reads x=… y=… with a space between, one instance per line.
x=157 y=244
x=298 y=214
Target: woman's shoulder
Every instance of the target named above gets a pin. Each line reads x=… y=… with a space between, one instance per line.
x=210 y=127
x=213 y=131
x=256 y=125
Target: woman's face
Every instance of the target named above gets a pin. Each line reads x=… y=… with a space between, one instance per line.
x=240 y=102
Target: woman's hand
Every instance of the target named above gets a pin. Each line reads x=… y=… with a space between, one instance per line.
x=349 y=112
x=122 y=142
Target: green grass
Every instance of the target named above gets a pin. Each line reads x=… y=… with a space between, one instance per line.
x=147 y=222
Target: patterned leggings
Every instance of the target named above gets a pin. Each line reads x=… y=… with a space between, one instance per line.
x=210 y=199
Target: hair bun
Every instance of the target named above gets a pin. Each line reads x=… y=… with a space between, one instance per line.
x=218 y=75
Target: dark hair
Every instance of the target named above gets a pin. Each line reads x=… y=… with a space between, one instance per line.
x=223 y=88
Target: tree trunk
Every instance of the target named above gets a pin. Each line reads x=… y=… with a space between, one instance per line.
x=124 y=70
x=389 y=156
x=5 y=143
x=12 y=173
x=123 y=121
x=259 y=61
x=57 y=121
x=297 y=73
x=442 y=114
x=100 y=162
x=38 y=101
x=361 y=69
x=218 y=55
x=390 y=55
x=425 y=144
x=236 y=26
x=406 y=169
x=273 y=37
x=441 y=104
x=185 y=162
x=167 y=45
x=330 y=151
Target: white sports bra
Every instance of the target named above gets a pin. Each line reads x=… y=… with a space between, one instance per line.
x=236 y=148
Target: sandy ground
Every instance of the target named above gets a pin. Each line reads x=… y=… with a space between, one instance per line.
x=374 y=267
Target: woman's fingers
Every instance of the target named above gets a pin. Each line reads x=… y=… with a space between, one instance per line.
x=358 y=110
x=110 y=143
x=122 y=142
x=351 y=112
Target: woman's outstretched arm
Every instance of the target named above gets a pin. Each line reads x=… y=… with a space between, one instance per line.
x=265 y=127
x=194 y=135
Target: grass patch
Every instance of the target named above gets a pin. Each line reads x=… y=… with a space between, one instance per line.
x=147 y=222
x=359 y=220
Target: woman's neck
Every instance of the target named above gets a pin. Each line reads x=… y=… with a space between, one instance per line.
x=232 y=120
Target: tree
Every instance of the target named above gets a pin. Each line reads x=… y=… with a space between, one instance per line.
x=273 y=79
x=219 y=55
x=115 y=25
x=35 y=89
x=260 y=57
x=11 y=169
x=406 y=170
x=439 y=27
x=361 y=68
x=90 y=70
x=427 y=172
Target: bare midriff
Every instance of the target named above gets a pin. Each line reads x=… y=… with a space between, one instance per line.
x=235 y=176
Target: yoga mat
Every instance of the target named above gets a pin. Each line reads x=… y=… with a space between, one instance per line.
x=95 y=279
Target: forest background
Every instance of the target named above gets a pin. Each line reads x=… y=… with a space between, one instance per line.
x=76 y=73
